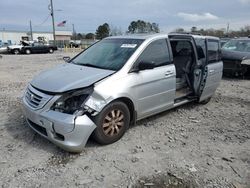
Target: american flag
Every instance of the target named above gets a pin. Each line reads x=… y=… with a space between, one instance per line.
x=61 y=24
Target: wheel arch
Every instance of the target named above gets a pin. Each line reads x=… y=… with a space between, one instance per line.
x=129 y=103
x=13 y=50
x=98 y=100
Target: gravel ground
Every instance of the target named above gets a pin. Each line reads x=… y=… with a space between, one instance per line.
x=190 y=146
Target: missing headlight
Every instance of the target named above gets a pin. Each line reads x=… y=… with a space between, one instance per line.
x=72 y=102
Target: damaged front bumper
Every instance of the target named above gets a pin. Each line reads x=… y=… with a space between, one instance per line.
x=67 y=131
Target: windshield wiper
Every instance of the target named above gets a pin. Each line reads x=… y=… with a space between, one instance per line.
x=91 y=65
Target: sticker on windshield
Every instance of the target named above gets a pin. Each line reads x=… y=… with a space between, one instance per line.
x=128 y=45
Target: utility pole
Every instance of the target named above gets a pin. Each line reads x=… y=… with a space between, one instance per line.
x=227 y=28
x=74 y=33
x=53 y=21
x=3 y=34
x=31 y=33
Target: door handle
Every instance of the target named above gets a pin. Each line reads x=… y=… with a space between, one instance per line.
x=169 y=73
x=211 y=71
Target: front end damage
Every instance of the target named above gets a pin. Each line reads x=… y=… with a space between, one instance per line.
x=64 y=119
x=235 y=63
x=235 y=67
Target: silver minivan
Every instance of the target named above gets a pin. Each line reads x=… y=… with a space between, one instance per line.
x=118 y=81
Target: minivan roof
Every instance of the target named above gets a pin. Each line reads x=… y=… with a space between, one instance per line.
x=157 y=35
x=196 y=36
x=141 y=36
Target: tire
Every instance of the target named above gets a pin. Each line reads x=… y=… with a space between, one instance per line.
x=16 y=51
x=27 y=51
x=112 y=122
x=51 y=50
x=205 y=101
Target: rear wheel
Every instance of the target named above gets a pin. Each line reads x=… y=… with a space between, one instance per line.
x=27 y=51
x=112 y=123
x=205 y=101
x=16 y=51
x=51 y=50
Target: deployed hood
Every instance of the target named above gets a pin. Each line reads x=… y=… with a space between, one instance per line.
x=67 y=77
x=235 y=55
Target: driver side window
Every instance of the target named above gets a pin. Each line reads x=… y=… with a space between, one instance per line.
x=157 y=53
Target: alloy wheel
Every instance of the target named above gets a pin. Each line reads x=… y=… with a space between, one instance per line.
x=113 y=122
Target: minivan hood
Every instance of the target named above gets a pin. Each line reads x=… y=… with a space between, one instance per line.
x=67 y=77
x=235 y=55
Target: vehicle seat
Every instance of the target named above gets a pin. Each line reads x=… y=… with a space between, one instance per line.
x=181 y=61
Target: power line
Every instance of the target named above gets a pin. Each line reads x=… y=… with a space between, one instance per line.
x=45 y=20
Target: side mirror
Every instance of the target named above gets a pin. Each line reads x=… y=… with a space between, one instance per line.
x=142 y=66
x=145 y=65
x=66 y=59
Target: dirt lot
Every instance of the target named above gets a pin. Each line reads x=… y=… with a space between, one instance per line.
x=190 y=146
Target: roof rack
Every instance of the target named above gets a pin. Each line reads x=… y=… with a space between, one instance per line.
x=186 y=33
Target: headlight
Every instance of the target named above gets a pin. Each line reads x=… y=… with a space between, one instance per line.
x=245 y=62
x=72 y=102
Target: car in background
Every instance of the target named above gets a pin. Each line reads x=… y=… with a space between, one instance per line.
x=223 y=41
x=236 y=57
x=74 y=43
x=16 y=48
x=3 y=48
x=38 y=47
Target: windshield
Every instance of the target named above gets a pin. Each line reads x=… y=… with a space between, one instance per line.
x=237 y=45
x=109 y=54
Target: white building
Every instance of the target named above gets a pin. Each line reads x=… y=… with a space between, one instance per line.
x=14 y=37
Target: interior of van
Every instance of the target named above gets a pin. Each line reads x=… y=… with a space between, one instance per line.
x=184 y=61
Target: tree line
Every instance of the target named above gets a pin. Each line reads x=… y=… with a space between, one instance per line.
x=106 y=30
x=222 y=33
x=141 y=26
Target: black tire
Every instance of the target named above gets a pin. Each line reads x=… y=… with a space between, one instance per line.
x=205 y=101
x=28 y=51
x=51 y=50
x=16 y=51
x=107 y=121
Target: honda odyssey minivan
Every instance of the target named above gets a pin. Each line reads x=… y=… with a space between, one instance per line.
x=117 y=81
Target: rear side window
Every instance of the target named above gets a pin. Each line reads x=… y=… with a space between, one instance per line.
x=156 y=52
x=213 y=49
x=201 y=48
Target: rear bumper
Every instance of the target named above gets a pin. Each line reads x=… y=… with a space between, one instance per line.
x=66 y=131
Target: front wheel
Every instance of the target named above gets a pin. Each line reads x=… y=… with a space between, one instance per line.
x=112 y=122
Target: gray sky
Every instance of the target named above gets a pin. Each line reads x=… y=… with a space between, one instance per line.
x=88 y=15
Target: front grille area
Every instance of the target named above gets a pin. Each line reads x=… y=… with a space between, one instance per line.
x=35 y=98
x=38 y=128
x=230 y=64
x=32 y=98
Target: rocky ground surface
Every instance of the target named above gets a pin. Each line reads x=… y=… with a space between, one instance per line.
x=190 y=146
